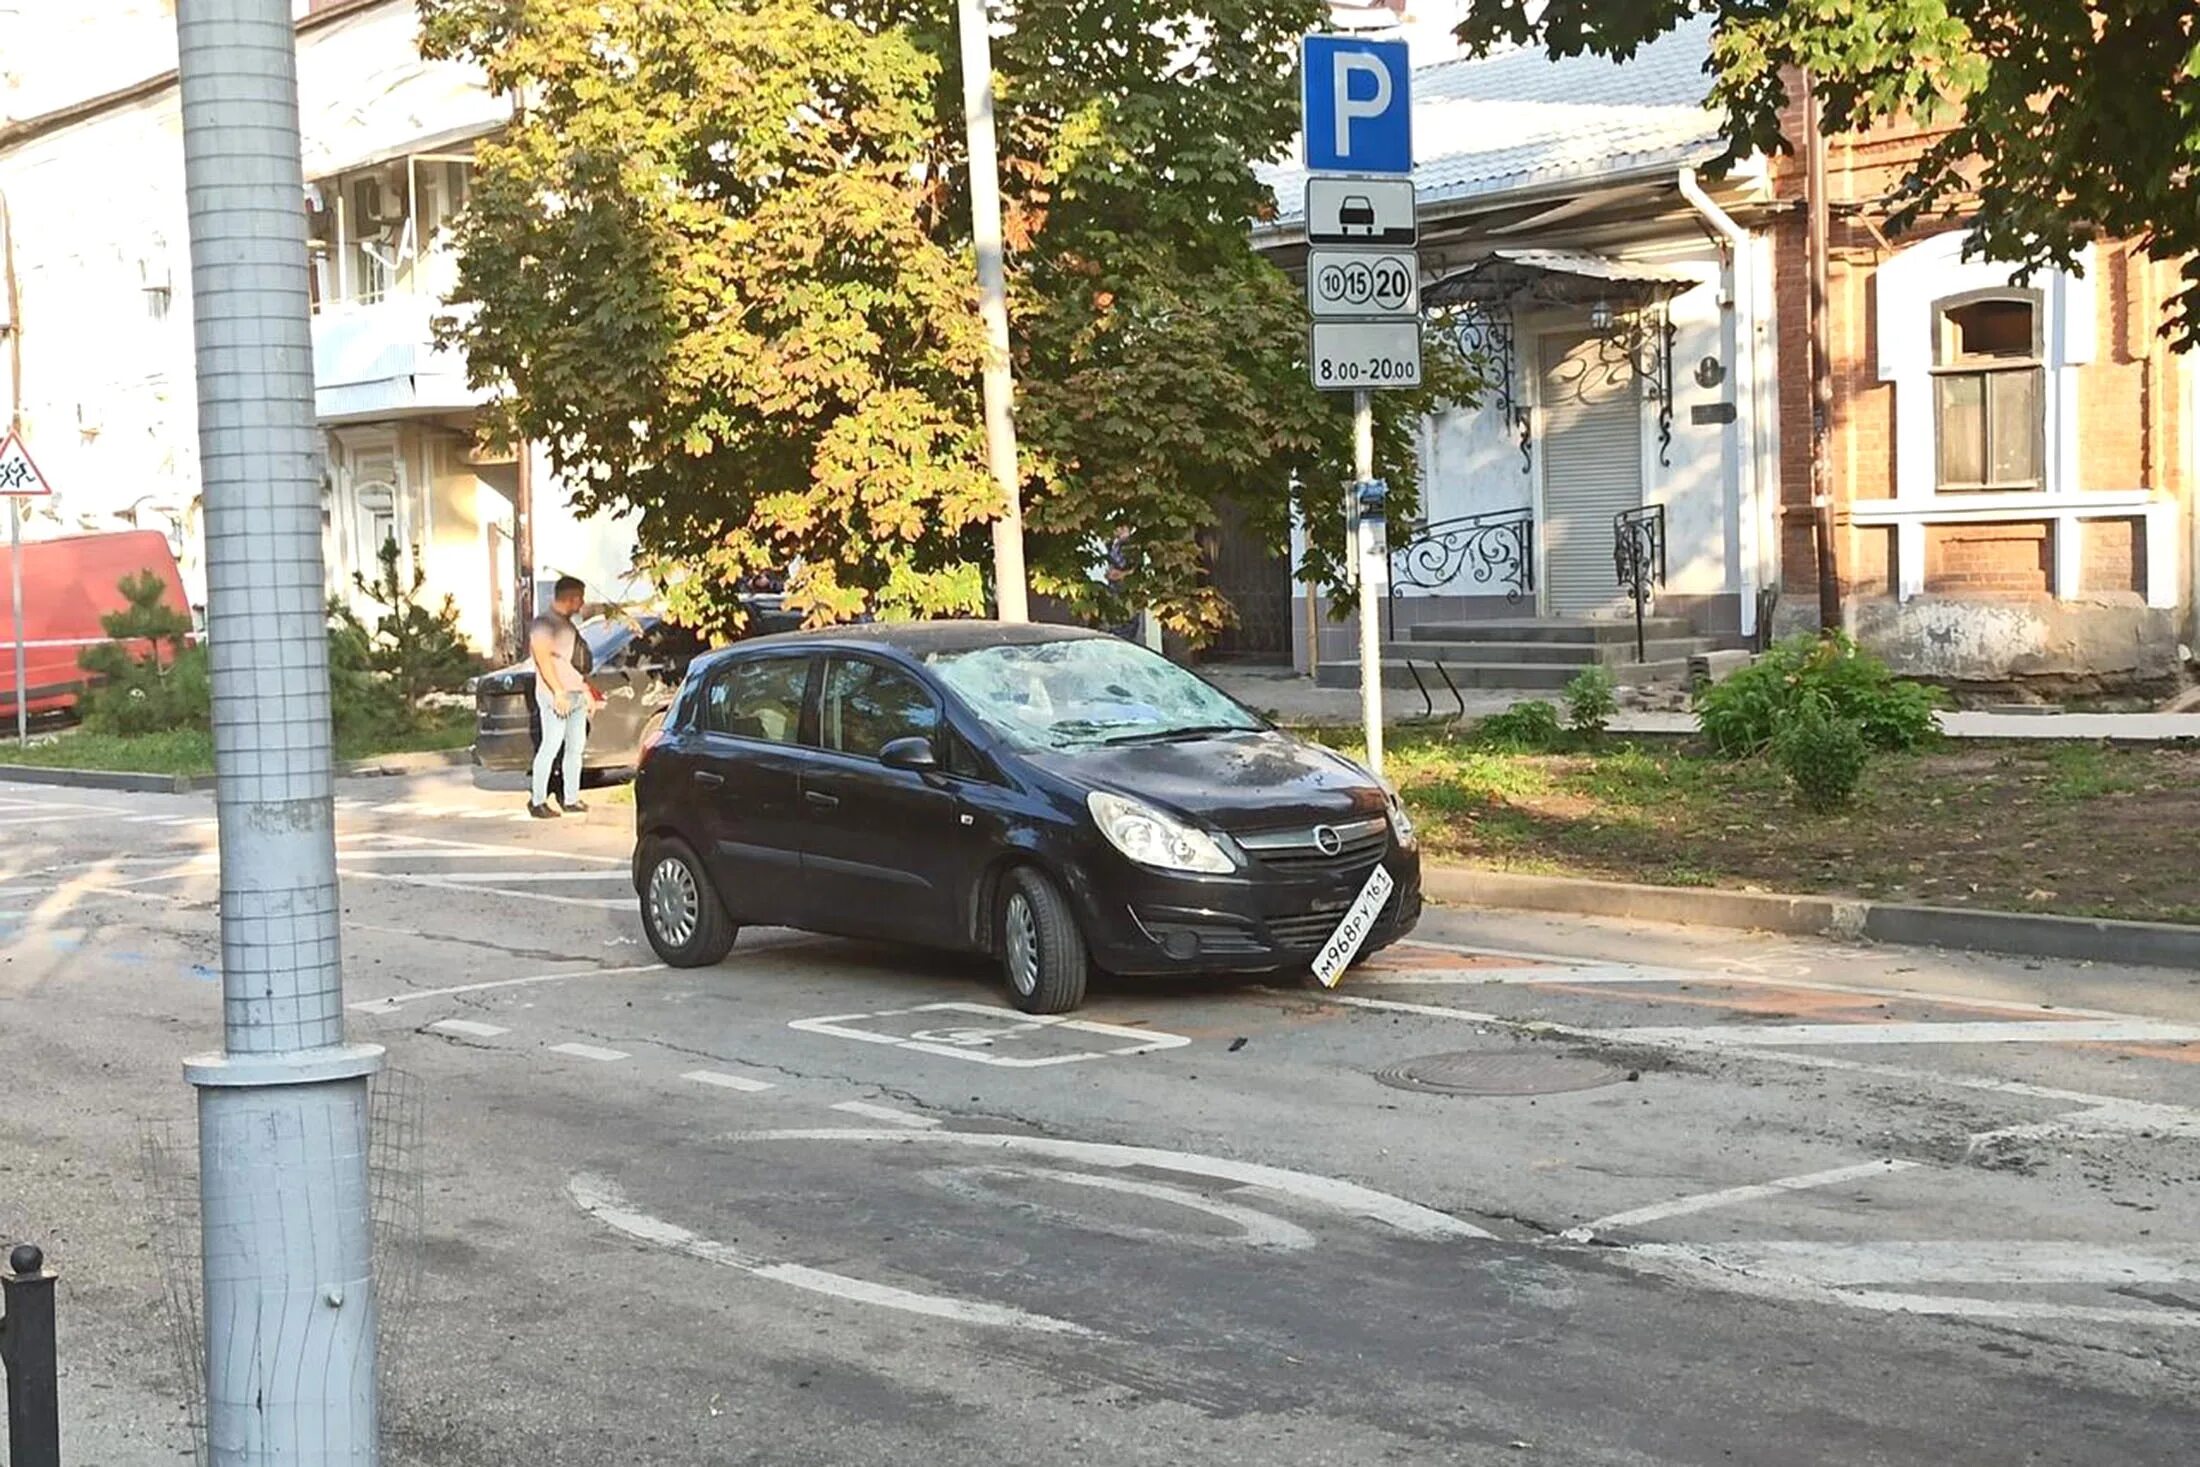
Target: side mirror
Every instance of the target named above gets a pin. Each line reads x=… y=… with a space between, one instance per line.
x=913 y=754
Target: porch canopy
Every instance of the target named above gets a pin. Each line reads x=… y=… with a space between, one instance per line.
x=1511 y=281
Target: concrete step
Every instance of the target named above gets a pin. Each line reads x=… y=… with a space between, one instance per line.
x=1532 y=678
x=1567 y=654
x=1545 y=629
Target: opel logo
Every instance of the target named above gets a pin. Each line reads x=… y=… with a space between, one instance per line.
x=1327 y=841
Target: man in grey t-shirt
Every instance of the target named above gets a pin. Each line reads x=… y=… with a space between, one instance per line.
x=563 y=698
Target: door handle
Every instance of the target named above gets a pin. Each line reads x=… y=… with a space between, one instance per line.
x=822 y=800
x=705 y=777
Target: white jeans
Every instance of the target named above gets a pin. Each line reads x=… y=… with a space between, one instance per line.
x=568 y=731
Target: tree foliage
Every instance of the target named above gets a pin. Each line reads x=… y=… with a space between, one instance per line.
x=2070 y=120
x=414 y=647
x=721 y=268
x=145 y=679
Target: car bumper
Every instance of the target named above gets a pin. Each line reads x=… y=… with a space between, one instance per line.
x=505 y=736
x=1141 y=923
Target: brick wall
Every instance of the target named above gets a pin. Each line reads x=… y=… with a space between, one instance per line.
x=1992 y=560
x=2131 y=425
x=2113 y=556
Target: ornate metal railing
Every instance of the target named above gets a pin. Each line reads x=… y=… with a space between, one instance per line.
x=1495 y=548
x=1638 y=555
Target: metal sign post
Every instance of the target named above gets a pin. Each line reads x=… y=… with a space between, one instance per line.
x=19 y=480
x=1363 y=284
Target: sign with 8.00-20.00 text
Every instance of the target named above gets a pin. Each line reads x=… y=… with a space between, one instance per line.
x=1350 y=355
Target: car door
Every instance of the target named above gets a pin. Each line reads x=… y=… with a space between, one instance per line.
x=887 y=852
x=747 y=782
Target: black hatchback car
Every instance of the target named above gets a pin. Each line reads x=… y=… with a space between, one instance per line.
x=1057 y=798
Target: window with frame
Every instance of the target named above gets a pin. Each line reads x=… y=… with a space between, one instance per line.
x=1989 y=376
x=868 y=705
x=758 y=698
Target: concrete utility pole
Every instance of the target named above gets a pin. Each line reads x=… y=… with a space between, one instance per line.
x=287 y=1243
x=1010 y=593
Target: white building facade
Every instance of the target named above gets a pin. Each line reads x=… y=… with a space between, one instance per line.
x=93 y=186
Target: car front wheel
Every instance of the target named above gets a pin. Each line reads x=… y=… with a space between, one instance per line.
x=1042 y=951
x=687 y=924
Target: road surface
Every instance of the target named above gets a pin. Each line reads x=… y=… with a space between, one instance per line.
x=1739 y=1200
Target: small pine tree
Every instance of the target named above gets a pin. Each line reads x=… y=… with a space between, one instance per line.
x=133 y=687
x=418 y=649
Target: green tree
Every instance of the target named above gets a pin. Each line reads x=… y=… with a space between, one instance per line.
x=720 y=267
x=415 y=648
x=2070 y=120
x=134 y=688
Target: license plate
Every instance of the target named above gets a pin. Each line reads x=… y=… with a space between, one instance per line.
x=1351 y=935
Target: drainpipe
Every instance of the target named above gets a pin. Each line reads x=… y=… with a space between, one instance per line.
x=1742 y=267
x=1821 y=365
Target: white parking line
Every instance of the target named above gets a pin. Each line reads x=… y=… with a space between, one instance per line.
x=398 y=1000
x=475 y=878
x=468 y=1028
x=725 y=1081
x=884 y=1113
x=974 y=1042
x=1852 y=1265
x=2039 y=1031
x=1728 y=1196
x=608 y=904
x=590 y=1052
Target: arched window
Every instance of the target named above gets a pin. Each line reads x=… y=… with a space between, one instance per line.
x=1989 y=356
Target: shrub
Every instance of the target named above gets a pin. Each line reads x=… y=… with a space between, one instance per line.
x=134 y=688
x=1531 y=726
x=1744 y=714
x=1823 y=754
x=1591 y=700
x=420 y=650
x=361 y=701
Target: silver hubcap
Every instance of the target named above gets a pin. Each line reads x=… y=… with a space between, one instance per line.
x=675 y=906
x=1023 y=944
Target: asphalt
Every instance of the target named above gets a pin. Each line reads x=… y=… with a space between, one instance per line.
x=832 y=1203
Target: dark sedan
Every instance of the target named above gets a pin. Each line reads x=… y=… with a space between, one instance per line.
x=1060 y=799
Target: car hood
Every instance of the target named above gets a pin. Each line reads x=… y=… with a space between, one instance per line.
x=1234 y=782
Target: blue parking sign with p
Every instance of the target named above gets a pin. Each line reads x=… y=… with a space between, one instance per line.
x=1359 y=114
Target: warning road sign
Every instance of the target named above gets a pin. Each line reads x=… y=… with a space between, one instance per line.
x=19 y=477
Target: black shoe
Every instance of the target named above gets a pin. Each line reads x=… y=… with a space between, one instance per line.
x=542 y=812
x=573 y=807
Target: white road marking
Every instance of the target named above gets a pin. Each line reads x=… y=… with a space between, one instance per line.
x=1328 y=1193
x=590 y=1052
x=1259 y=1229
x=970 y=1042
x=884 y=1113
x=725 y=1081
x=1969 y=1262
x=46 y=819
x=475 y=878
x=1728 y=1196
x=1700 y=1266
x=2044 y=1031
x=602 y=1200
x=398 y=1000
x=468 y=1028
x=349 y=854
x=422 y=845
x=612 y=904
x=1506 y=977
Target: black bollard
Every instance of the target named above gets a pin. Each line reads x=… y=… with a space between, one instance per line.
x=27 y=1350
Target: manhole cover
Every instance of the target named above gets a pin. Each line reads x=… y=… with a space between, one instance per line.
x=1497 y=1074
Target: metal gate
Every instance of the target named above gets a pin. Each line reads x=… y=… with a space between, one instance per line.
x=1257 y=581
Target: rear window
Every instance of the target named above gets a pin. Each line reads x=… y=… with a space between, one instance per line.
x=758 y=698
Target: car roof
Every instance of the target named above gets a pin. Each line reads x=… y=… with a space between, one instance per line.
x=909 y=638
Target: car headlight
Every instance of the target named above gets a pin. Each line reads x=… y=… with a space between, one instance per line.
x=1401 y=824
x=1151 y=838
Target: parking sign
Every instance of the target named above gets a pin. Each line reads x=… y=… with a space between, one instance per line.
x=1359 y=112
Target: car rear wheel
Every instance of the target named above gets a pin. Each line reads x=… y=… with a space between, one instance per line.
x=1042 y=952
x=687 y=924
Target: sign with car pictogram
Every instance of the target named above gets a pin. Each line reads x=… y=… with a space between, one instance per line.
x=1361 y=211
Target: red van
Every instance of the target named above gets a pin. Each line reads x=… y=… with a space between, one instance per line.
x=68 y=584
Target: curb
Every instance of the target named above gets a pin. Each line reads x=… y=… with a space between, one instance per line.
x=104 y=779
x=2018 y=934
x=414 y=763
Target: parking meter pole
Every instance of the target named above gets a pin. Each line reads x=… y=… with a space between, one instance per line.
x=15 y=597
x=285 y=1205
x=1371 y=577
